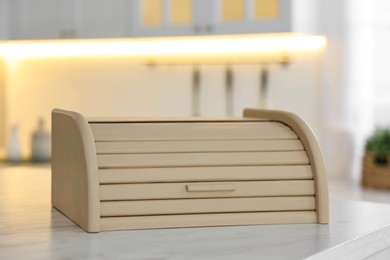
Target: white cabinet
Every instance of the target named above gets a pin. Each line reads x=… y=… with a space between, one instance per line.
x=32 y=19
x=103 y=18
x=3 y=19
x=69 y=19
x=165 y=17
x=251 y=16
x=42 y=19
x=191 y=17
x=51 y=19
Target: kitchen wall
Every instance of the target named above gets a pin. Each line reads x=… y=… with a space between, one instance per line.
x=104 y=86
x=3 y=35
x=2 y=105
x=337 y=145
x=119 y=87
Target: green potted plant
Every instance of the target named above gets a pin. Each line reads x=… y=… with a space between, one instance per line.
x=376 y=162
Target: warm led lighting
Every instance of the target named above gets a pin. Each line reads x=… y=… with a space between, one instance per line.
x=203 y=49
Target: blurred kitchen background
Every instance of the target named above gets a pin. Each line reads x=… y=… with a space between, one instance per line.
x=341 y=89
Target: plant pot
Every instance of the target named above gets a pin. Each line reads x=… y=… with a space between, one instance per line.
x=376 y=171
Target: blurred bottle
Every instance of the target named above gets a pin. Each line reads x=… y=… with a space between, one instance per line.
x=40 y=145
x=14 y=151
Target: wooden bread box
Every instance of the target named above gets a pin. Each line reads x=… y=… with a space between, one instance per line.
x=121 y=173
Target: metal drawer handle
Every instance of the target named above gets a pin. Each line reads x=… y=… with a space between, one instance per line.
x=211 y=187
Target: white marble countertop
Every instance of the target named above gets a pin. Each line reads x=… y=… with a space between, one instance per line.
x=31 y=229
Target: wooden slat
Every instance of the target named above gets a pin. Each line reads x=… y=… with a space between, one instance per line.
x=198 y=146
x=206 y=190
x=105 y=120
x=233 y=173
x=199 y=220
x=191 y=206
x=201 y=159
x=191 y=131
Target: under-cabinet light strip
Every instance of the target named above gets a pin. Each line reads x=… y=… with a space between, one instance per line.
x=166 y=49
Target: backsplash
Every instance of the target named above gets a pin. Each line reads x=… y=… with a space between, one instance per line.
x=116 y=86
x=2 y=103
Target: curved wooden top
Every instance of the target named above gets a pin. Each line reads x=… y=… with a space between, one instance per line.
x=309 y=141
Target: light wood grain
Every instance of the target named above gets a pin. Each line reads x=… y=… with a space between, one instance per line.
x=161 y=119
x=206 y=190
x=312 y=147
x=180 y=174
x=75 y=182
x=207 y=220
x=191 y=131
x=211 y=187
x=191 y=206
x=202 y=159
x=198 y=146
x=215 y=173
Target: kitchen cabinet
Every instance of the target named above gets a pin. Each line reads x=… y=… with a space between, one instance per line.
x=103 y=19
x=32 y=19
x=69 y=18
x=192 y=17
x=251 y=16
x=42 y=19
x=48 y=19
x=166 y=17
x=3 y=19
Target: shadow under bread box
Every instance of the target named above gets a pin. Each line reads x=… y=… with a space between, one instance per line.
x=136 y=173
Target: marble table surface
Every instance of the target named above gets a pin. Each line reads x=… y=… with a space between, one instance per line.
x=31 y=229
